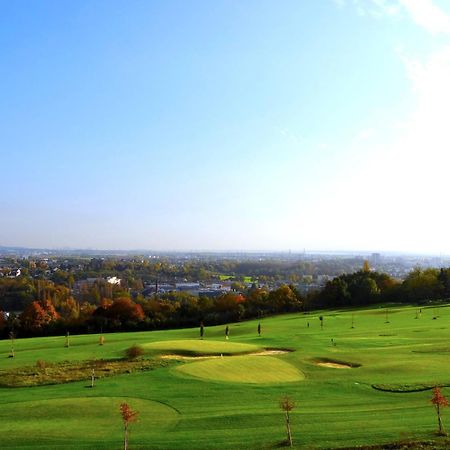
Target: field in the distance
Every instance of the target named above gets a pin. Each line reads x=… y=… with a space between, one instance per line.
x=372 y=389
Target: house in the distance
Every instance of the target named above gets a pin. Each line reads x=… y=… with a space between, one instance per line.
x=13 y=273
x=113 y=280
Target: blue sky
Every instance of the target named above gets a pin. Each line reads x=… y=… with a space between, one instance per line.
x=225 y=125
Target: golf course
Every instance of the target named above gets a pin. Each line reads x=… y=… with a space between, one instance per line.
x=358 y=378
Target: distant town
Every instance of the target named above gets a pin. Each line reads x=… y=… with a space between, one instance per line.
x=203 y=273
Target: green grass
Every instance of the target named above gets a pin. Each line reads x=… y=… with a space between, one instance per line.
x=201 y=347
x=246 y=279
x=222 y=403
x=225 y=277
x=65 y=420
x=244 y=369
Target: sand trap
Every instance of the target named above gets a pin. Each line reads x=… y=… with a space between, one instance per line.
x=334 y=365
x=268 y=353
x=174 y=356
x=261 y=353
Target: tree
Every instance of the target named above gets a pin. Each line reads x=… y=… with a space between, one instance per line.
x=287 y=405
x=12 y=338
x=34 y=317
x=2 y=321
x=50 y=310
x=229 y=305
x=125 y=310
x=422 y=285
x=439 y=402
x=444 y=279
x=366 y=267
x=69 y=309
x=284 y=299
x=335 y=293
x=128 y=416
x=363 y=290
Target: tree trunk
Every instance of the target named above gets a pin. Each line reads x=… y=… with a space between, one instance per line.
x=288 y=429
x=125 y=442
x=92 y=378
x=441 y=428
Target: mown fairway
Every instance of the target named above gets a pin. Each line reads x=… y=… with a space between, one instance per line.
x=231 y=401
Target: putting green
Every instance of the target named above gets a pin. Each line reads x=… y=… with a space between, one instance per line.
x=199 y=347
x=243 y=369
x=93 y=418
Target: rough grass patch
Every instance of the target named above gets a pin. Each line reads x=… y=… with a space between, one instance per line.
x=41 y=364
x=67 y=371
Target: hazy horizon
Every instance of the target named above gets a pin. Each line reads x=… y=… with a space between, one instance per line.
x=226 y=125
x=293 y=252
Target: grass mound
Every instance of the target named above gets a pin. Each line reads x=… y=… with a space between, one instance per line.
x=96 y=419
x=433 y=349
x=201 y=347
x=244 y=369
x=405 y=388
x=442 y=444
x=68 y=371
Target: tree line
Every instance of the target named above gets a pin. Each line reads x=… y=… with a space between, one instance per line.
x=47 y=308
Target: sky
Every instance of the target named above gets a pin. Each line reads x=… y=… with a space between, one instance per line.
x=226 y=125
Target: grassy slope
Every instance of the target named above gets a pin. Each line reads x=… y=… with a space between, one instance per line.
x=335 y=407
x=200 y=347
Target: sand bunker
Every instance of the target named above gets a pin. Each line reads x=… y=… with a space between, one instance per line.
x=261 y=353
x=334 y=365
x=269 y=352
x=175 y=356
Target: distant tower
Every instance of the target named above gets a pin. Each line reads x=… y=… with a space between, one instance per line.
x=375 y=258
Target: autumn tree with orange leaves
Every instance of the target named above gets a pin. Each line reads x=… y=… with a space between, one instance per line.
x=439 y=402
x=37 y=315
x=128 y=416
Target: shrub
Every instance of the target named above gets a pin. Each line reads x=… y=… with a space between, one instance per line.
x=134 y=351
